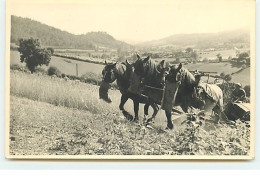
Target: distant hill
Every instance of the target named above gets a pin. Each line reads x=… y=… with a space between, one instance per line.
x=50 y=36
x=204 y=40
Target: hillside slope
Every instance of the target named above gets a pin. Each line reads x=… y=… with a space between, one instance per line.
x=50 y=36
x=205 y=40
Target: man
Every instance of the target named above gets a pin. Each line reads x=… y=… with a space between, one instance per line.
x=216 y=81
x=197 y=96
x=197 y=79
x=238 y=93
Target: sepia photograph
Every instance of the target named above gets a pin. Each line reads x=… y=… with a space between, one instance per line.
x=168 y=79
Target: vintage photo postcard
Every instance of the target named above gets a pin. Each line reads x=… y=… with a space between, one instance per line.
x=130 y=79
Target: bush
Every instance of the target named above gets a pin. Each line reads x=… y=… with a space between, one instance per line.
x=91 y=78
x=222 y=75
x=53 y=71
x=63 y=75
x=227 y=89
x=40 y=70
x=16 y=67
x=243 y=66
x=205 y=60
x=73 y=77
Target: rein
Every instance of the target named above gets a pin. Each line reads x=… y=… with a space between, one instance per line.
x=153 y=88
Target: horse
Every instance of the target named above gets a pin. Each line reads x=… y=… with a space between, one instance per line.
x=148 y=79
x=207 y=97
x=121 y=73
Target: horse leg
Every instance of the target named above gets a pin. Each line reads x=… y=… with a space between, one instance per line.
x=124 y=98
x=169 y=120
x=155 y=111
x=216 y=112
x=184 y=107
x=146 y=109
x=136 y=109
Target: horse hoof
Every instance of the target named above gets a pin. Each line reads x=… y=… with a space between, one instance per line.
x=129 y=117
x=169 y=126
x=148 y=121
x=136 y=119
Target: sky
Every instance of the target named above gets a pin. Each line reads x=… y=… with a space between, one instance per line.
x=138 y=21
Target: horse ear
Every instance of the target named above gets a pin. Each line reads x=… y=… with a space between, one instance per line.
x=179 y=67
x=161 y=66
x=146 y=59
x=138 y=56
x=127 y=62
x=162 y=63
x=105 y=62
x=114 y=64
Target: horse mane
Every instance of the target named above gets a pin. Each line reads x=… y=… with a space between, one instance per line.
x=151 y=74
x=123 y=73
x=187 y=82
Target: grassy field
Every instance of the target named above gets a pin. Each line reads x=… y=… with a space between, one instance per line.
x=243 y=77
x=66 y=66
x=212 y=67
x=57 y=117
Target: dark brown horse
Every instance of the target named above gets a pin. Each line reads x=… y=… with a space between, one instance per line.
x=148 y=79
x=208 y=97
x=122 y=73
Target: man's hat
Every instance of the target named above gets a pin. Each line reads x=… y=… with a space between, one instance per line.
x=238 y=85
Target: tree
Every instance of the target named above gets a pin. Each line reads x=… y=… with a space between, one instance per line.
x=228 y=77
x=51 y=50
x=244 y=58
x=178 y=54
x=243 y=55
x=32 y=53
x=194 y=56
x=219 y=57
x=189 y=50
x=205 y=60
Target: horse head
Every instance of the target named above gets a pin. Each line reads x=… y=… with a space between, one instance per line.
x=108 y=76
x=174 y=74
x=141 y=66
x=108 y=72
x=162 y=71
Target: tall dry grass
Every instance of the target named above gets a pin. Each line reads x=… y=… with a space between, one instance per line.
x=61 y=93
